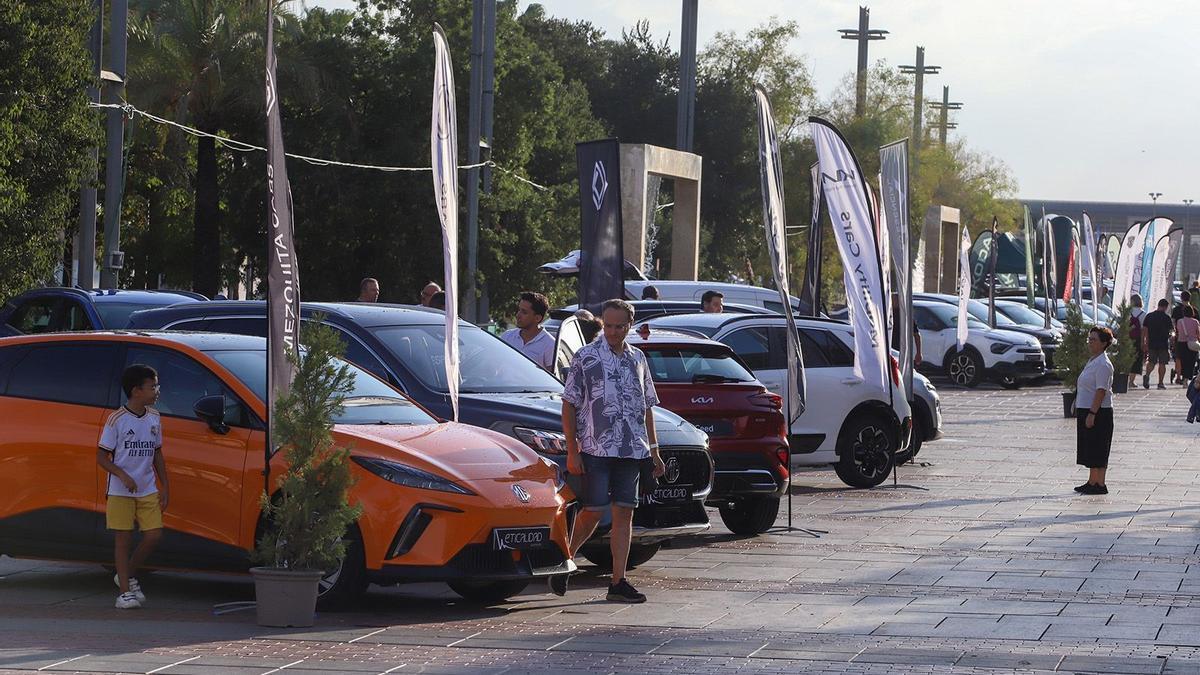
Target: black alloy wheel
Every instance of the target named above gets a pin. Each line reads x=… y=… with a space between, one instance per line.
x=865 y=452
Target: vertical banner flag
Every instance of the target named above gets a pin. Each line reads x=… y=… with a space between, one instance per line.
x=1112 y=251
x=811 y=291
x=1089 y=249
x=283 y=268
x=964 y=286
x=1123 y=279
x=1051 y=258
x=601 y=251
x=845 y=189
x=1175 y=236
x=893 y=188
x=1047 y=246
x=1139 y=259
x=1162 y=278
x=1077 y=267
x=443 y=139
x=1153 y=232
x=1029 y=278
x=771 y=172
x=1068 y=287
x=994 y=254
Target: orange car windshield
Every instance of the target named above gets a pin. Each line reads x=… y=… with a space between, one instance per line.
x=370 y=401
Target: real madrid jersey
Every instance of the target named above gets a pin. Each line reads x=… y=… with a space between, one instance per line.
x=132 y=440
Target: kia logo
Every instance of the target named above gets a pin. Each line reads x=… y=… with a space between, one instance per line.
x=599 y=184
x=673 y=470
x=702 y=400
x=521 y=494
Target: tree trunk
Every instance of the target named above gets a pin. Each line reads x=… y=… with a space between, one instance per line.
x=206 y=231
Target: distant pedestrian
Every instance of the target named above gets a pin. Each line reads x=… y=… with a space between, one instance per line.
x=130 y=451
x=608 y=419
x=1185 y=300
x=712 y=302
x=528 y=337
x=1157 y=329
x=1136 y=317
x=368 y=290
x=1187 y=341
x=1094 y=413
x=438 y=301
x=428 y=292
x=1193 y=395
x=650 y=293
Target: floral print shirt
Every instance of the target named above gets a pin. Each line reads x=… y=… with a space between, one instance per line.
x=611 y=394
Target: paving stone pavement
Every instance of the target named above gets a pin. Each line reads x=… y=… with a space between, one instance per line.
x=981 y=560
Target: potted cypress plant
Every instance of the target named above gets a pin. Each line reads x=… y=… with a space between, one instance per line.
x=308 y=514
x=1072 y=355
x=1123 y=351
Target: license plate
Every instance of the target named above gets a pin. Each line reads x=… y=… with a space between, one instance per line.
x=1033 y=357
x=715 y=427
x=667 y=494
x=519 y=538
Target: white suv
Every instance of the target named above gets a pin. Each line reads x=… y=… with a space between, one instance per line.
x=846 y=422
x=1006 y=356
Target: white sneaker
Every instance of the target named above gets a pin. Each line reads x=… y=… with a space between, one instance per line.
x=128 y=601
x=134 y=588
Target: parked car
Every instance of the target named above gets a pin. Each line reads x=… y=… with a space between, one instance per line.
x=854 y=426
x=676 y=289
x=500 y=389
x=708 y=385
x=1049 y=338
x=440 y=501
x=59 y=309
x=1020 y=312
x=650 y=309
x=1007 y=357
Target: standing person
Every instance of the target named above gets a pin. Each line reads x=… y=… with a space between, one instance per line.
x=528 y=337
x=368 y=290
x=712 y=302
x=1157 y=328
x=608 y=419
x=1094 y=413
x=1187 y=333
x=130 y=450
x=431 y=289
x=1185 y=300
x=1136 y=318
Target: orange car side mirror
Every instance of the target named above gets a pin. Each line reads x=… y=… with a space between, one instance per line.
x=211 y=409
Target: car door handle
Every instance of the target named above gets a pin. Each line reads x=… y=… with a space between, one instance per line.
x=851 y=380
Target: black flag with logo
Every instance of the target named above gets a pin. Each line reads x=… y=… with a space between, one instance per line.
x=601 y=252
x=283 y=272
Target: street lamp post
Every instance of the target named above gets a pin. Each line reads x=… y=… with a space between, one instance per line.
x=1154 y=209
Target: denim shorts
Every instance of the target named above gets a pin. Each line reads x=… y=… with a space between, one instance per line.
x=608 y=480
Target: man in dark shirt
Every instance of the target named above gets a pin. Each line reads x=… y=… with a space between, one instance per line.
x=1177 y=314
x=1156 y=340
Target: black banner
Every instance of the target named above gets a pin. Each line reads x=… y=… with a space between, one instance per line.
x=810 y=291
x=601 y=251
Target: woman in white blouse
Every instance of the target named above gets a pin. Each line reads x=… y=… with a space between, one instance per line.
x=1093 y=412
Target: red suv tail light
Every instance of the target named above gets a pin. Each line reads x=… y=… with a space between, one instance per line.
x=766 y=398
x=895 y=370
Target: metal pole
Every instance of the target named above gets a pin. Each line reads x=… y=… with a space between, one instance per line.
x=470 y=303
x=920 y=70
x=85 y=253
x=860 y=85
x=945 y=113
x=487 y=101
x=685 y=117
x=114 y=152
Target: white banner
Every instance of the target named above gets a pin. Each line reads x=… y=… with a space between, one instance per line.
x=1158 y=272
x=771 y=172
x=893 y=189
x=1140 y=260
x=443 y=138
x=845 y=189
x=1176 y=244
x=964 y=286
x=1123 y=280
x=1088 y=259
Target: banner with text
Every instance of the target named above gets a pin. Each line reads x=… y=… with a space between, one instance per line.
x=964 y=287
x=443 y=140
x=893 y=186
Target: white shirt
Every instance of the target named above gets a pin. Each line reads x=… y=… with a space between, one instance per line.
x=132 y=440
x=1097 y=374
x=540 y=348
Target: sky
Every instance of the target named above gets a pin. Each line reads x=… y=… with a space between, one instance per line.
x=1083 y=100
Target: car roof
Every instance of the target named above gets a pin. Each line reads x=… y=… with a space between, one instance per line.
x=103 y=295
x=716 y=321
x=365 y=314
x=732 y=307
x=669 y=337
x=205 y=342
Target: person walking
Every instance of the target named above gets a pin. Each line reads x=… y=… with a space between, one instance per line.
x=528 y=337
x=1094 y=413
x=368 y=290
x=1185 y=301
x=1157 y=328
x=1187 y=339
x=1137 y=316
x=608 y=419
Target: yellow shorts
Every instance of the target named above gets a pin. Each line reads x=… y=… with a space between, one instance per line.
x=122 y=511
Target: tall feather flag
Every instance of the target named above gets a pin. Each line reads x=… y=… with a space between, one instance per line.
x=1089 y=263
x=443 y=141
x=1029 y=278
x=964 y=286
x=283 y=267
x=893 y=192
x=1123 y=279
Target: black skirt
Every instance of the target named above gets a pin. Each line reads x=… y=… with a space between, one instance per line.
x=1092 y=445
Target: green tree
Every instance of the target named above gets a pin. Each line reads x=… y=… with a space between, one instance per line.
x=46 y=130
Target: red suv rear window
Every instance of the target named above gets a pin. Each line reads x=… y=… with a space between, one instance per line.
x=694 y=364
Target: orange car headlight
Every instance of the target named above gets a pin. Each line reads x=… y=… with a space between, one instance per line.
x=409 y=476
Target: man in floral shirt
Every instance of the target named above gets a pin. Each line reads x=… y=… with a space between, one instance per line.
x=608 y=419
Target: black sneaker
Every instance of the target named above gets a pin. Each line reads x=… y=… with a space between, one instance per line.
x=1161 y=385
x=1095 y=490
x=1083 y=488
x=558 y=584
x=623 y=592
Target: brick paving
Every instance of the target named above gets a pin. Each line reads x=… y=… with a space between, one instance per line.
x=980 y=560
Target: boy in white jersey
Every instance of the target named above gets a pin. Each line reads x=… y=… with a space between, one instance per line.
x=131 y=452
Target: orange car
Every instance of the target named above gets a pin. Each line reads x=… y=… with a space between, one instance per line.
x=440 y=501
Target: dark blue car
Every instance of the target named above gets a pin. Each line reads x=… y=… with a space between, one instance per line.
x=500 y=389
x=60 y=309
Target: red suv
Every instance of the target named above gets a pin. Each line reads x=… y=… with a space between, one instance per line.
x=704 y=382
